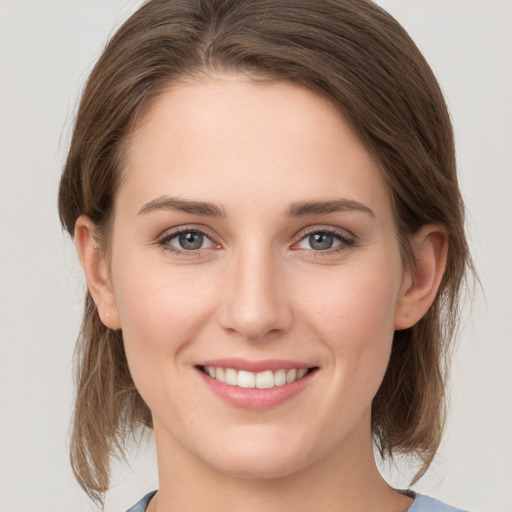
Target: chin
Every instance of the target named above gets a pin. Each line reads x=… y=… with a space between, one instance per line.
x=257 y=467
x=260 y=459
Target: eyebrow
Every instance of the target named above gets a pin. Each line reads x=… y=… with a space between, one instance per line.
x=305 y=208
x=299 y=209
x=180 y=205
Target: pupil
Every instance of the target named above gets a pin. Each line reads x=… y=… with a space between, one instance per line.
x=321 y=241
x=191 y=240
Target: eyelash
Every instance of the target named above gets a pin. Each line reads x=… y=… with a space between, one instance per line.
x=346 y=242
x=164 y=241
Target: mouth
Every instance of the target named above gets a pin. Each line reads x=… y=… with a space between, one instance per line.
x=256 y=385
x=265 y=379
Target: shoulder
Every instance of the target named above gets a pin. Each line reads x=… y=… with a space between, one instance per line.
x=424 y=503
x=141 y=505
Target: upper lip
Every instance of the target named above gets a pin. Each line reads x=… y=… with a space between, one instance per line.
x=255 y=366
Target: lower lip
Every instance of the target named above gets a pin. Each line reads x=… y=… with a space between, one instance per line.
x=255 y=399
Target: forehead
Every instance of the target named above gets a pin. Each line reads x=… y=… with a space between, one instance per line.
x=229 y=136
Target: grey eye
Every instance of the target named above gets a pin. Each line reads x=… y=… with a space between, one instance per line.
x=187 y=240
x=190 y=240
x=321 y=241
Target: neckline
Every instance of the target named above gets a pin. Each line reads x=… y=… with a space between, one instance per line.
x=406 y=492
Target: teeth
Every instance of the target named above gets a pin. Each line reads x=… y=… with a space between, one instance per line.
x=265 y=380
x=301 y=373
x=246 y=379
x=262 y=380
x=231 y=377
x=220 y=374
x=280 y=378
x=291 y=375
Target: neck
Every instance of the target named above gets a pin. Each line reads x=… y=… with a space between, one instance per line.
x=345 y=479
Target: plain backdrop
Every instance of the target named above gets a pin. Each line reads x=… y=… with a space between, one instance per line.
x=47 y=48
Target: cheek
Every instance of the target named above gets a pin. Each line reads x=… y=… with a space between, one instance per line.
x=160 y=311
x=353 y=305
x=354 y=316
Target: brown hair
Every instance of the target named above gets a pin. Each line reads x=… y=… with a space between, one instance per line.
x=364 y=62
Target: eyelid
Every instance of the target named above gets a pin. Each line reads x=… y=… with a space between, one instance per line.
x=346 y=238
x=170 y=233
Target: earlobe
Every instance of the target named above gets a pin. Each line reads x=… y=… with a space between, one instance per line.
x=95 y=268
x=419 y=289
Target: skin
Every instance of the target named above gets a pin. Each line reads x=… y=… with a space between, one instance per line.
x=258 y=289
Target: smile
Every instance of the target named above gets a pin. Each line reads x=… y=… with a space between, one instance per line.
x=256 y=385
x=262 y=380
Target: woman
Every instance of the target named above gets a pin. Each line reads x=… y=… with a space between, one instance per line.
x=264 y=200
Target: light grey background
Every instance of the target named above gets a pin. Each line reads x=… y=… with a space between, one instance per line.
x=47 y=48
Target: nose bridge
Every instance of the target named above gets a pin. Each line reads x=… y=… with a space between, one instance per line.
x=254 y=304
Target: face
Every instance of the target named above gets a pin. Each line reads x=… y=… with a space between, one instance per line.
x=256 y=275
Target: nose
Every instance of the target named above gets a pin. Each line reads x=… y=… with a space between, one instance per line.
x=254 y=303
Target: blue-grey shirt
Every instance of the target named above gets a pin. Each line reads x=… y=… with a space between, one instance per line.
x=421 y=503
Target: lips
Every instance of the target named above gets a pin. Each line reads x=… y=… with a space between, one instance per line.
x=255 y=385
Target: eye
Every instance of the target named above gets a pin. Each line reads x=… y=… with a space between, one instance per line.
x=324 y=240
x=186 y=240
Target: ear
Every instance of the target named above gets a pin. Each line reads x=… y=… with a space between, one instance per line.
x=420 y=285
x=95 y=268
